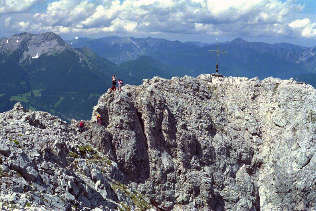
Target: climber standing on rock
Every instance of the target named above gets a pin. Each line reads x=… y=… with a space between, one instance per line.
x=81 y=126
x=120 y=84
x=99 y=121
x=113 y=83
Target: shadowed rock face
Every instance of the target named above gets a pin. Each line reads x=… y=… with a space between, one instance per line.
x=203 y=143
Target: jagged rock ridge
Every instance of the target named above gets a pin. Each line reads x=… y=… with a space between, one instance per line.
x=203 y=143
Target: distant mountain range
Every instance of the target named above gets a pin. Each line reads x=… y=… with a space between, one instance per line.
x=66 y=78
x=242 y=58
x=46 y=73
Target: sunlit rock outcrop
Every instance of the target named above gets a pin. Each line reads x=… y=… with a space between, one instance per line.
x=205 y=143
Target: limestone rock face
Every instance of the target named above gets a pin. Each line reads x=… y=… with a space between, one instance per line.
x=216 y=143
x=205 y=143
x=46 y=164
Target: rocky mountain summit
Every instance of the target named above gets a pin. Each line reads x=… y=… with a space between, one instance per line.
x=205 y=143
x=32 y=64
x=27 y=45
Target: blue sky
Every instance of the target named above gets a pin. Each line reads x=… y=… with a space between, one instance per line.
x=274 y=21
x=310 y=6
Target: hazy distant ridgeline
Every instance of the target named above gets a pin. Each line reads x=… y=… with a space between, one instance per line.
x=242 y=58
x=62 y=80
x=46 y=73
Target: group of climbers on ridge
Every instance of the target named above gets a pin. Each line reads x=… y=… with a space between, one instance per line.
x=120 y=83
x=113 y=88
x=81 y=124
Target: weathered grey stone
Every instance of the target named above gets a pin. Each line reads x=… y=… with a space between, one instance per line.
x=220 y=123
x=68 y=196
x=4 y=148
x=205 y=143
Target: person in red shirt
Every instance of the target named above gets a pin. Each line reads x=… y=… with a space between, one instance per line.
x=81 y=126
x=113 y=83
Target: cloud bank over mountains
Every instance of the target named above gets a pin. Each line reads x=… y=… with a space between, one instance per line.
x=225 y=18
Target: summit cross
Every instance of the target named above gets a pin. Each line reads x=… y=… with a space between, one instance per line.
x=218 y=53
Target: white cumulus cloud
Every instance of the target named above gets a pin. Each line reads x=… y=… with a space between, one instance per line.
x=304 y=27
x=9 y=6
x=197 y=17
x=66 y=13
x=300 y=23
x=24 y=25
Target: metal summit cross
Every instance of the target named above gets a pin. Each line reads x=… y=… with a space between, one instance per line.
x=218 y=53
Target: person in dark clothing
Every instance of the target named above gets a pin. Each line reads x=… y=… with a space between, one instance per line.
x=113 y=83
